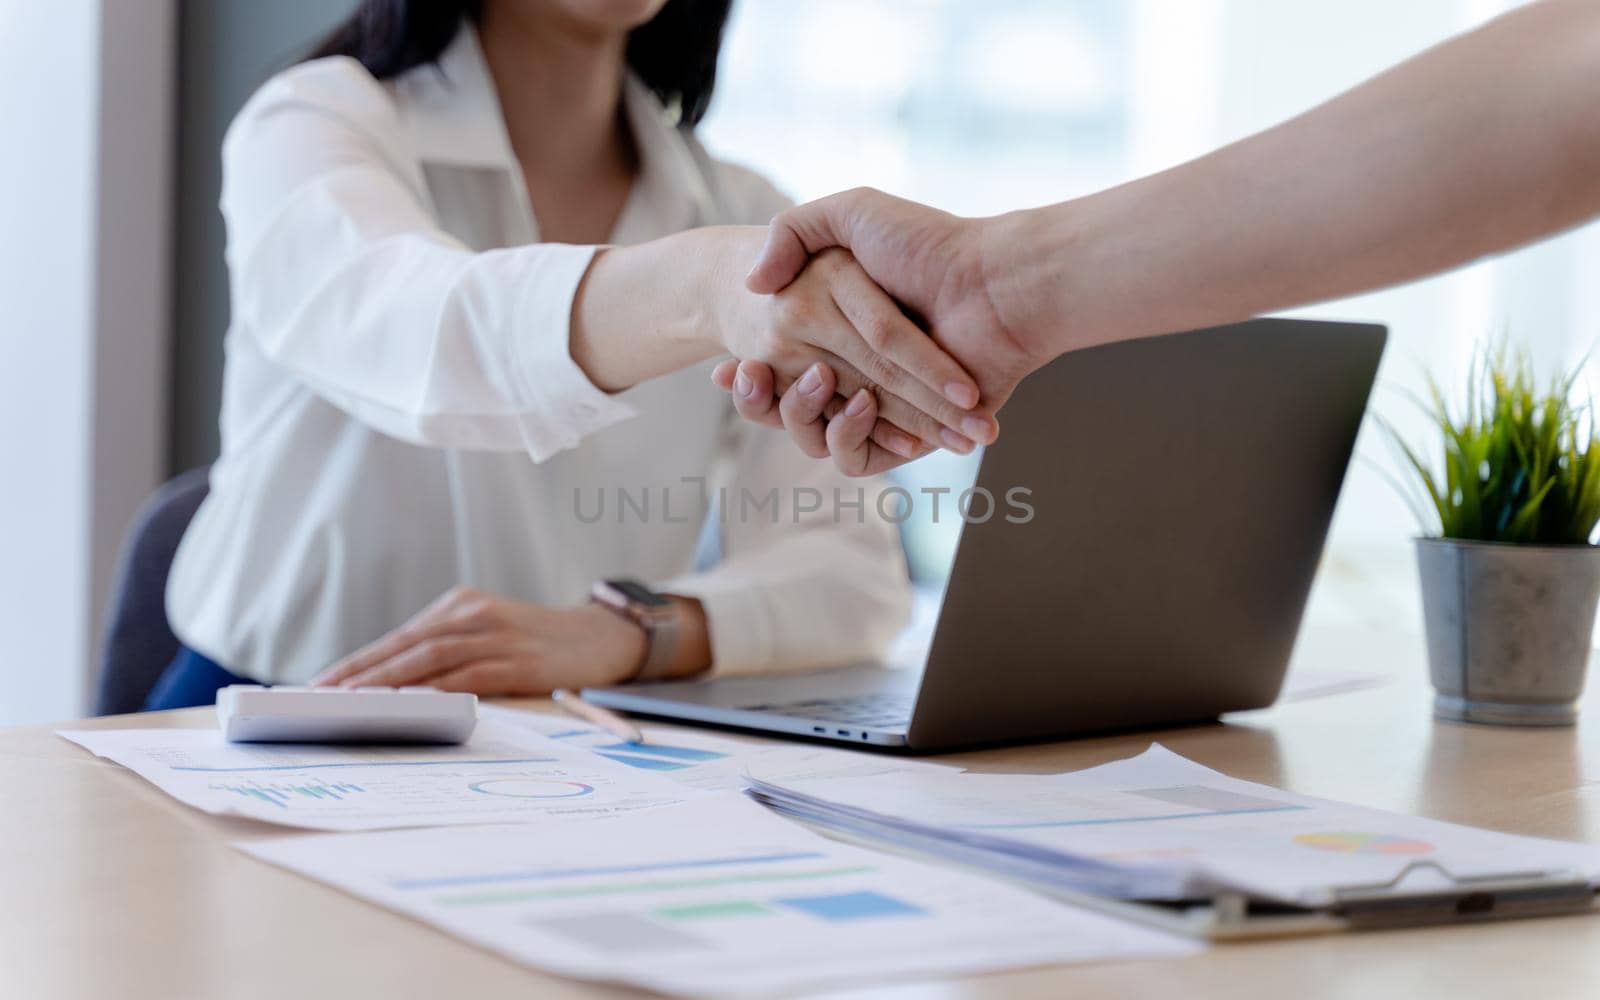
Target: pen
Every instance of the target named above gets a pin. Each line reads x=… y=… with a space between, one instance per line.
x=611 y=722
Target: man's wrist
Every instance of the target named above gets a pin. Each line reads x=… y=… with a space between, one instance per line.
x=1024 y=258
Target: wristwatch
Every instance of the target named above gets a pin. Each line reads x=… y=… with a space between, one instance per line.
x=650 y=611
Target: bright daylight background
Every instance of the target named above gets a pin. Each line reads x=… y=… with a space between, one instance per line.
x=979 y=106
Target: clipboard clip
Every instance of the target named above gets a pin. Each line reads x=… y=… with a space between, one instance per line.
x=1503 y=896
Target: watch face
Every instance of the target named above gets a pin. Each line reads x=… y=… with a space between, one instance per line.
x=637 y=593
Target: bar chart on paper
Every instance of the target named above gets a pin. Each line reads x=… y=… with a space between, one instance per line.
x=656 y=756
x=508 y=776
x=704 y=761
x=714 y=896
x=282 y=794
x=652 y=755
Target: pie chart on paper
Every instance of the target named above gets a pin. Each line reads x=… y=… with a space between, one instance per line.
x=532 y=788
x=1343 y=842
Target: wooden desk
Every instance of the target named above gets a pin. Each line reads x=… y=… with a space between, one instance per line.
x=110 y=889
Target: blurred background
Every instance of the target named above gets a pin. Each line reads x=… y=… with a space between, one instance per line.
x=113 y=298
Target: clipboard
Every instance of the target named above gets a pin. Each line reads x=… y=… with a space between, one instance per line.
x=1235 y=916
x=1389 y=905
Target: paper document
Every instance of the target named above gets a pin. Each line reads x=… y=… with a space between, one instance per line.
x=1158 y=826
x=503 y=774
x=707 y=761
x=714 y=897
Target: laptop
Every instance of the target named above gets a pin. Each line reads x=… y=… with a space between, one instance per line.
x=1181 y=488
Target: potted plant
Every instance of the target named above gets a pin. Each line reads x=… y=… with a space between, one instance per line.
x=1511 y=580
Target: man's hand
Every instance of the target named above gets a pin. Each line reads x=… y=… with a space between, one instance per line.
x=471 y=641
x=929 y=261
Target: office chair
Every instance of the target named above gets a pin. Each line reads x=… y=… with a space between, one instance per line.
x=139 y=643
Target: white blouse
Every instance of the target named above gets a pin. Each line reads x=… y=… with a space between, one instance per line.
x=401 y=413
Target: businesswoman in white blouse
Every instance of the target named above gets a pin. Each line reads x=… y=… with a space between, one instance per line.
x=480 y=270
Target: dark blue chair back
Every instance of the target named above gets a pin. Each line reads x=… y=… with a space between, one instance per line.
x=139 y=643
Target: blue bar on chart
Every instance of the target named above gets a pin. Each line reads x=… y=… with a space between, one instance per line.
x=851 y=906
x=662 y=750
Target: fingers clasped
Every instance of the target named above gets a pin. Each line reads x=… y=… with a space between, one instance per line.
x=877 y=361
x=821 y=420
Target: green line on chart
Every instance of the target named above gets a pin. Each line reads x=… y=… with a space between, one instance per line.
x=656 y=885
x=702 y=911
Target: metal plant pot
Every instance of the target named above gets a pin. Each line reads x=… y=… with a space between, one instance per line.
x=1509 y=628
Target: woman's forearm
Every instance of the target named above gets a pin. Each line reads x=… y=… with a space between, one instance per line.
x=693 y=654
x=1479 y=145
x=646 y=310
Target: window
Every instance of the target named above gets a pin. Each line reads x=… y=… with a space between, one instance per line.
x=978 y=106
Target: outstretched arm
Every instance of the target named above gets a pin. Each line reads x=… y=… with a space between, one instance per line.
x=645 y=310
x=1478 y=145
x=343 y=277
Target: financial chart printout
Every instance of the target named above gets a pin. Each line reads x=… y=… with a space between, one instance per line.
x=707 y=761
x=714 y=897
x=503 y=774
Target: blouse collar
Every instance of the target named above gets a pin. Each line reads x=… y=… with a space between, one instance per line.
x=454 y=117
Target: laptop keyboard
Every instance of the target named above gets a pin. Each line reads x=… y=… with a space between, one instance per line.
x=878 y=710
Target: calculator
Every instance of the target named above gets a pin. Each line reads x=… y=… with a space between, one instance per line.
x=251 y=713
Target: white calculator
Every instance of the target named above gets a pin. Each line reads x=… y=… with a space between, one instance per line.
x=250 y=713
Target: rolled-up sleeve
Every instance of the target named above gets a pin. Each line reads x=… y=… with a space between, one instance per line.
x=342 y=276
x=811 y=575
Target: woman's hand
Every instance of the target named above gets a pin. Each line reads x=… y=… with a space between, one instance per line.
x=471 y=641
x=832 y=313
x=822 y=423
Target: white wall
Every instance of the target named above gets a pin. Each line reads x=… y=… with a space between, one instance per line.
x=83 y=284
x=46 y=280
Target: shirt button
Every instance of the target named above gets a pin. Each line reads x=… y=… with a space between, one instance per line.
x=583 y=411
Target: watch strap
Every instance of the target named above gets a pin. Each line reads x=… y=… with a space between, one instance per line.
x=655 y=613
x=661 y=630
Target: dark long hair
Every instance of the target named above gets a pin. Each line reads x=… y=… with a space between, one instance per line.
x=674 y=53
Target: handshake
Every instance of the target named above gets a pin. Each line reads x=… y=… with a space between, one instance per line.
x=875 y=329
x=888 y=334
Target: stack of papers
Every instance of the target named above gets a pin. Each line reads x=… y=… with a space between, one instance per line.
x=630 y=862
x=502 y=775
x=643 y=863
x=715 y=897
x=1160 y=827
x=517 y=767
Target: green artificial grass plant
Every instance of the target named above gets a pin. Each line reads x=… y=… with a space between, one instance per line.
x=1518 y=466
